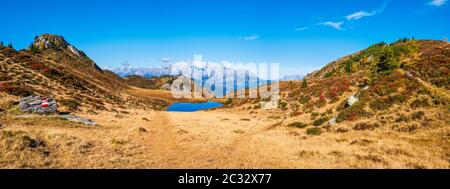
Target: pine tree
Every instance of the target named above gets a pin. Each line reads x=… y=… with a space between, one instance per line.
x=387 y=61
x=1 y=43
x=305 y=83
x=10 y=45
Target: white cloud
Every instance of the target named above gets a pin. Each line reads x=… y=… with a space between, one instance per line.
x=335 y=25
x=438 y=3
x=301 y=29
x=360 y=14
x=251 y=37
x=166 y=59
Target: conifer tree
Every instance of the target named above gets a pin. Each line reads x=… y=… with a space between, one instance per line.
x=305 y=83
x=387 y=61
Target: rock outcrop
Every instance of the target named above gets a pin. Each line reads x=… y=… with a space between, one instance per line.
x=78 y=119
x=352 y=100
x=38 y=105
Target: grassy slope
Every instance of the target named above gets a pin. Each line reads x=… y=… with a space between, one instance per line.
x=74 y=81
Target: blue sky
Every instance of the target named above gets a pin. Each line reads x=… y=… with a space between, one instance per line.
x=300 y=35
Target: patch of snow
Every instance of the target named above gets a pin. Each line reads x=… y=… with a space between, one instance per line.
x=74 y=50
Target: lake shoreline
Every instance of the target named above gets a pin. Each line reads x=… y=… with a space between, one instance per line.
x=193 y=106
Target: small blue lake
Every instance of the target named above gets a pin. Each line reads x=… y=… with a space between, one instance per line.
x=192 y=107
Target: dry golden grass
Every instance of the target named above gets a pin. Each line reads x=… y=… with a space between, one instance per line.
x=212 y=139
x=160 y=95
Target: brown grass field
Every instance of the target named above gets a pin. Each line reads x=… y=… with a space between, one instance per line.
x=228 y=138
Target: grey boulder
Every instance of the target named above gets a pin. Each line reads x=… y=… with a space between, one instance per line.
x=33 y=104
x=78 y=119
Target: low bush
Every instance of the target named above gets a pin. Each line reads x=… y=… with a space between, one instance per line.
x=229 y=101
x=69 y=103
x=282 y=105
x=401 y=118
x=365 y=126
x=314 y=131
x=417 y=115
x=352 y=113
x=320 y=121
x=406 y=128
x=421 y=102
x=304 y=99
x=15 y=89
x=118 y=141
x=342 y=130
x=299 y=125
x=321 y=102
x=378 y=104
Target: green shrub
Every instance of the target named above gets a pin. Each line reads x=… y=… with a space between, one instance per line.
x=328 y=74
x=365 y=126
x=321 y=102
x=422 y=102
x=15 y=89
x=383 y=89
x=118 y=141
x=406 y=128
x=52 y=73
x=282 y=105
x=378 y=104
x=329 y=111
x=401 y=118
x=320 y=121
x=387 y=61
x=229 y=101
x=5 y=78
x=375 y=50
x=348 y=66
x=304 y=83
x=71 y=104
x=417 y=115
x=352 y=113
x=313 y=131
x=34 y=49
x=299 y=125
x=305 y=99
x=396 y=99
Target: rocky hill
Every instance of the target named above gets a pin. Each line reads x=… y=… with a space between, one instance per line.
x=53 y=67
x=404 y=85
x=156 y=83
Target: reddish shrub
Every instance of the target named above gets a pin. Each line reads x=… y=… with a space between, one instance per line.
x=14 y=90
x=37 y=66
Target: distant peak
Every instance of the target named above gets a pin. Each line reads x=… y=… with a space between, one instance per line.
x=49 y=41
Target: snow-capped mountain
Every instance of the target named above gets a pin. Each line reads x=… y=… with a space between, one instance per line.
x=209 y=76
x=292 y=77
